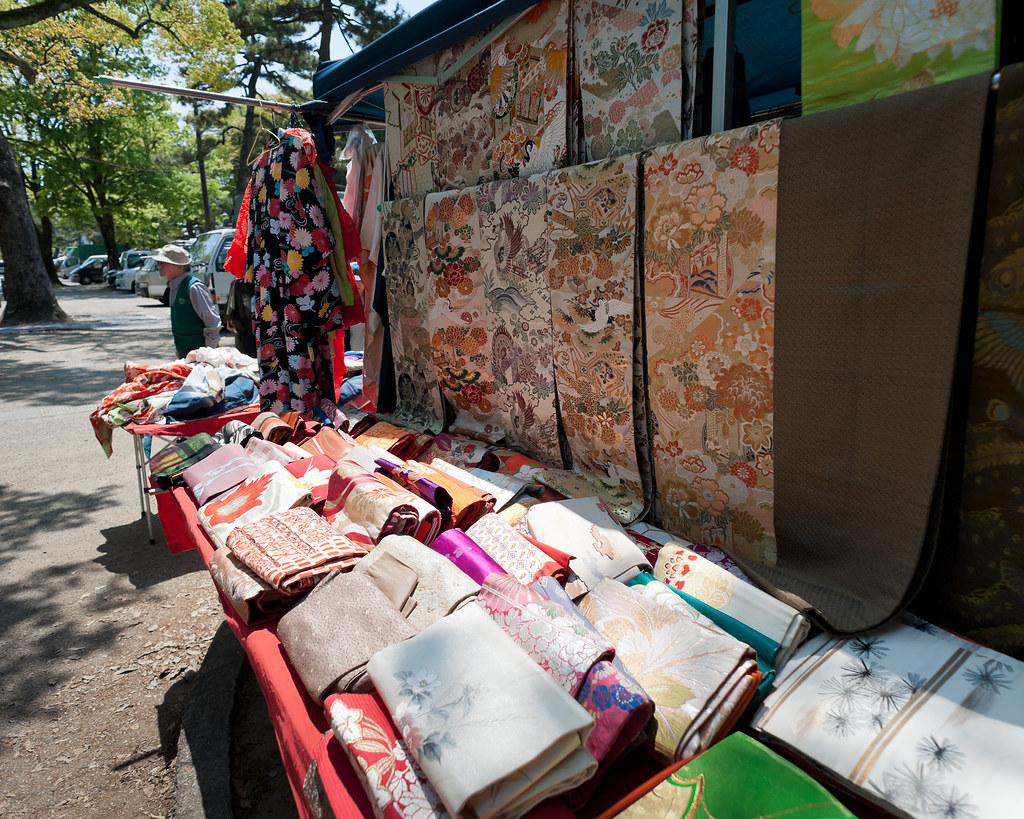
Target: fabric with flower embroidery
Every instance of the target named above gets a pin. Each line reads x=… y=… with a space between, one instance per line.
x=651 y=539
x=528 y=92
x=412 y=131
x=690 y=671
x=296 y=301
x=513 y=243
x=410 y=297
x=515 y=553
x=456 y=321
x=394 y=783
x=460 y=683
x=908 y=715
x=592 y=220
x=687 y=571
x=556 y=641
x=858 y=50
x=637 y=65
x=270 y=489
x=709 y=274
x=460 y=451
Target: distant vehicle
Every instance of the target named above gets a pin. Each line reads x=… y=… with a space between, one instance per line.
x=209 y=253
x=90 y=271
x=130 y=262
x=148 y=283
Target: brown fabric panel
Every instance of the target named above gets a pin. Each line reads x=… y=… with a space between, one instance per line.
x=875 y=210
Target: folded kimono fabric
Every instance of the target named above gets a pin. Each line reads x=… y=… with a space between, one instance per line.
x=455 y=687
x=467 y=554
x=221 y=470
x=382 y=509
x=272 y=428
x=651 y=539
x=505 y=488
x=619 y=705
x=358 y=420
x=518 y=465
x=442 y=587
x=293 y=550
x=269 y=490
x=253 y=600
x=355 y=532
x=302 y=427
x=331 y=634
x=263 y=451
x=394 y=782
x=909 y=716
x=140 y=382
x=737 y=778
x=712 y=585
x=584 y=528
x=314 y=473
x=395 y=579
x=458 y=451
x=688 y=670
x=557 y=642
x=329 y=442
x=335 y=416
x=468 y=503
x=175 y=458
x=521 y=559
x=235 y=432
x=402 y=443
x=427 y=489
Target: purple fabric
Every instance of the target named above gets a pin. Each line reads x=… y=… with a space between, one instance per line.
x=435 y=494
x=467 y=554
x=225 y=469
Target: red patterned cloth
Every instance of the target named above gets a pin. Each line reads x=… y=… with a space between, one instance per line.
x=292 y=550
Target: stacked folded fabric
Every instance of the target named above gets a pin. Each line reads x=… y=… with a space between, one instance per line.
x=219 y=472
x=252 y=598
x=402 y=443
x=521 y=558
x=468 y=504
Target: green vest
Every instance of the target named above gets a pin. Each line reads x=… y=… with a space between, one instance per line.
x=186 y=326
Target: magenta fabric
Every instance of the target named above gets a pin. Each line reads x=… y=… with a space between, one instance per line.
x=467 y=554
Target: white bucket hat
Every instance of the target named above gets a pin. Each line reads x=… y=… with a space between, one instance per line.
x=173 y=254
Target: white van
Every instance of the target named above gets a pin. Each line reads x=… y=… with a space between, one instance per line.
x=209 y=252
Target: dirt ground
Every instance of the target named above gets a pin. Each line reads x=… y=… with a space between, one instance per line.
x=101 y=632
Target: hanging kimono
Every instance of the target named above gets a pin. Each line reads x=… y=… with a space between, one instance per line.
x=296 y=302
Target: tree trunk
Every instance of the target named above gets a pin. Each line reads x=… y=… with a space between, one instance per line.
x=326 y=29
x=249 y=136
x=105 y=222
x=44 y=233
x=29 y=293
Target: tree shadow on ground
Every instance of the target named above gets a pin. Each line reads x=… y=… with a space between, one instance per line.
x=128 y=552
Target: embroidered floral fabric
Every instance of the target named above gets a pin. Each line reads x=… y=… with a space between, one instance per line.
x=651 y=539
x=515 y=249
x=709 y=271
x=462 y=120
x=909 y=715
x=528 y=82
x=296 y=301
x=460 y=452
x=857 y=50
x=411 y=131
x=637 y=65
x=410 y=298
x=516 y=554
x=394 y=783
x=592 y=221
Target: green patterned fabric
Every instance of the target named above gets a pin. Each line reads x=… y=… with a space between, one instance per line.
x=859 y=50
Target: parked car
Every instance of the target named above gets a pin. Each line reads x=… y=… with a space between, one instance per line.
x=143 y=278
x=131 y=261
x=209 y=253
x=90 y=271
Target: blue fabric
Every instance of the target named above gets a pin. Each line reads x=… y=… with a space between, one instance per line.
x=239 y=391
x=350 y=388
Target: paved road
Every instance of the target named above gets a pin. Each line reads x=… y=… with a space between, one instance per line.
x=101 y=633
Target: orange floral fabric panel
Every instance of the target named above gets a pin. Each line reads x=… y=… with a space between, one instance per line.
x=592 y=220
x=709 y=273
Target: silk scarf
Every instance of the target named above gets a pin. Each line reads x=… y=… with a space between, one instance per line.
x=909 y=716
x=313 y=473
x=262 y=452
x=709 y=278
x=450 y=691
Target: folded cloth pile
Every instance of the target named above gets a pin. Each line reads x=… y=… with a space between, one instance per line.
x=441 y=586
x=294 y=549
x=384 y=510
x=468 y=503
x=699 y=678
x=715 y=592
x=402 y=443
x=907 y=716
x=460 y=683
x=166 y=466
x=463 y=452
x=585 y=528
x=333 y=632
x=505 y=488
x=235 y=432
x=521 y=559
x=269 y=490
x=465 y=553
x=263 y=451
x=253 y=599
x=329 y=442
x=314 y=473
x=219 y=472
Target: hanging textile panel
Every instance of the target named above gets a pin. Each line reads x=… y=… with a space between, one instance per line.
x=859 y=50
x=528 y=92
x=592 y=221
x=709 y=284
x=515 y=250
x=409 y=299
x=637 y=63
x=984 y=594
x=913 y=717
x=462 y=114
x=411 y=130
x=456 y=321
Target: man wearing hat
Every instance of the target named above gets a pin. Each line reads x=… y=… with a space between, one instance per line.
x=195 y=321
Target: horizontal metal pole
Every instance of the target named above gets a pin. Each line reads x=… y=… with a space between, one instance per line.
x=196 y=93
